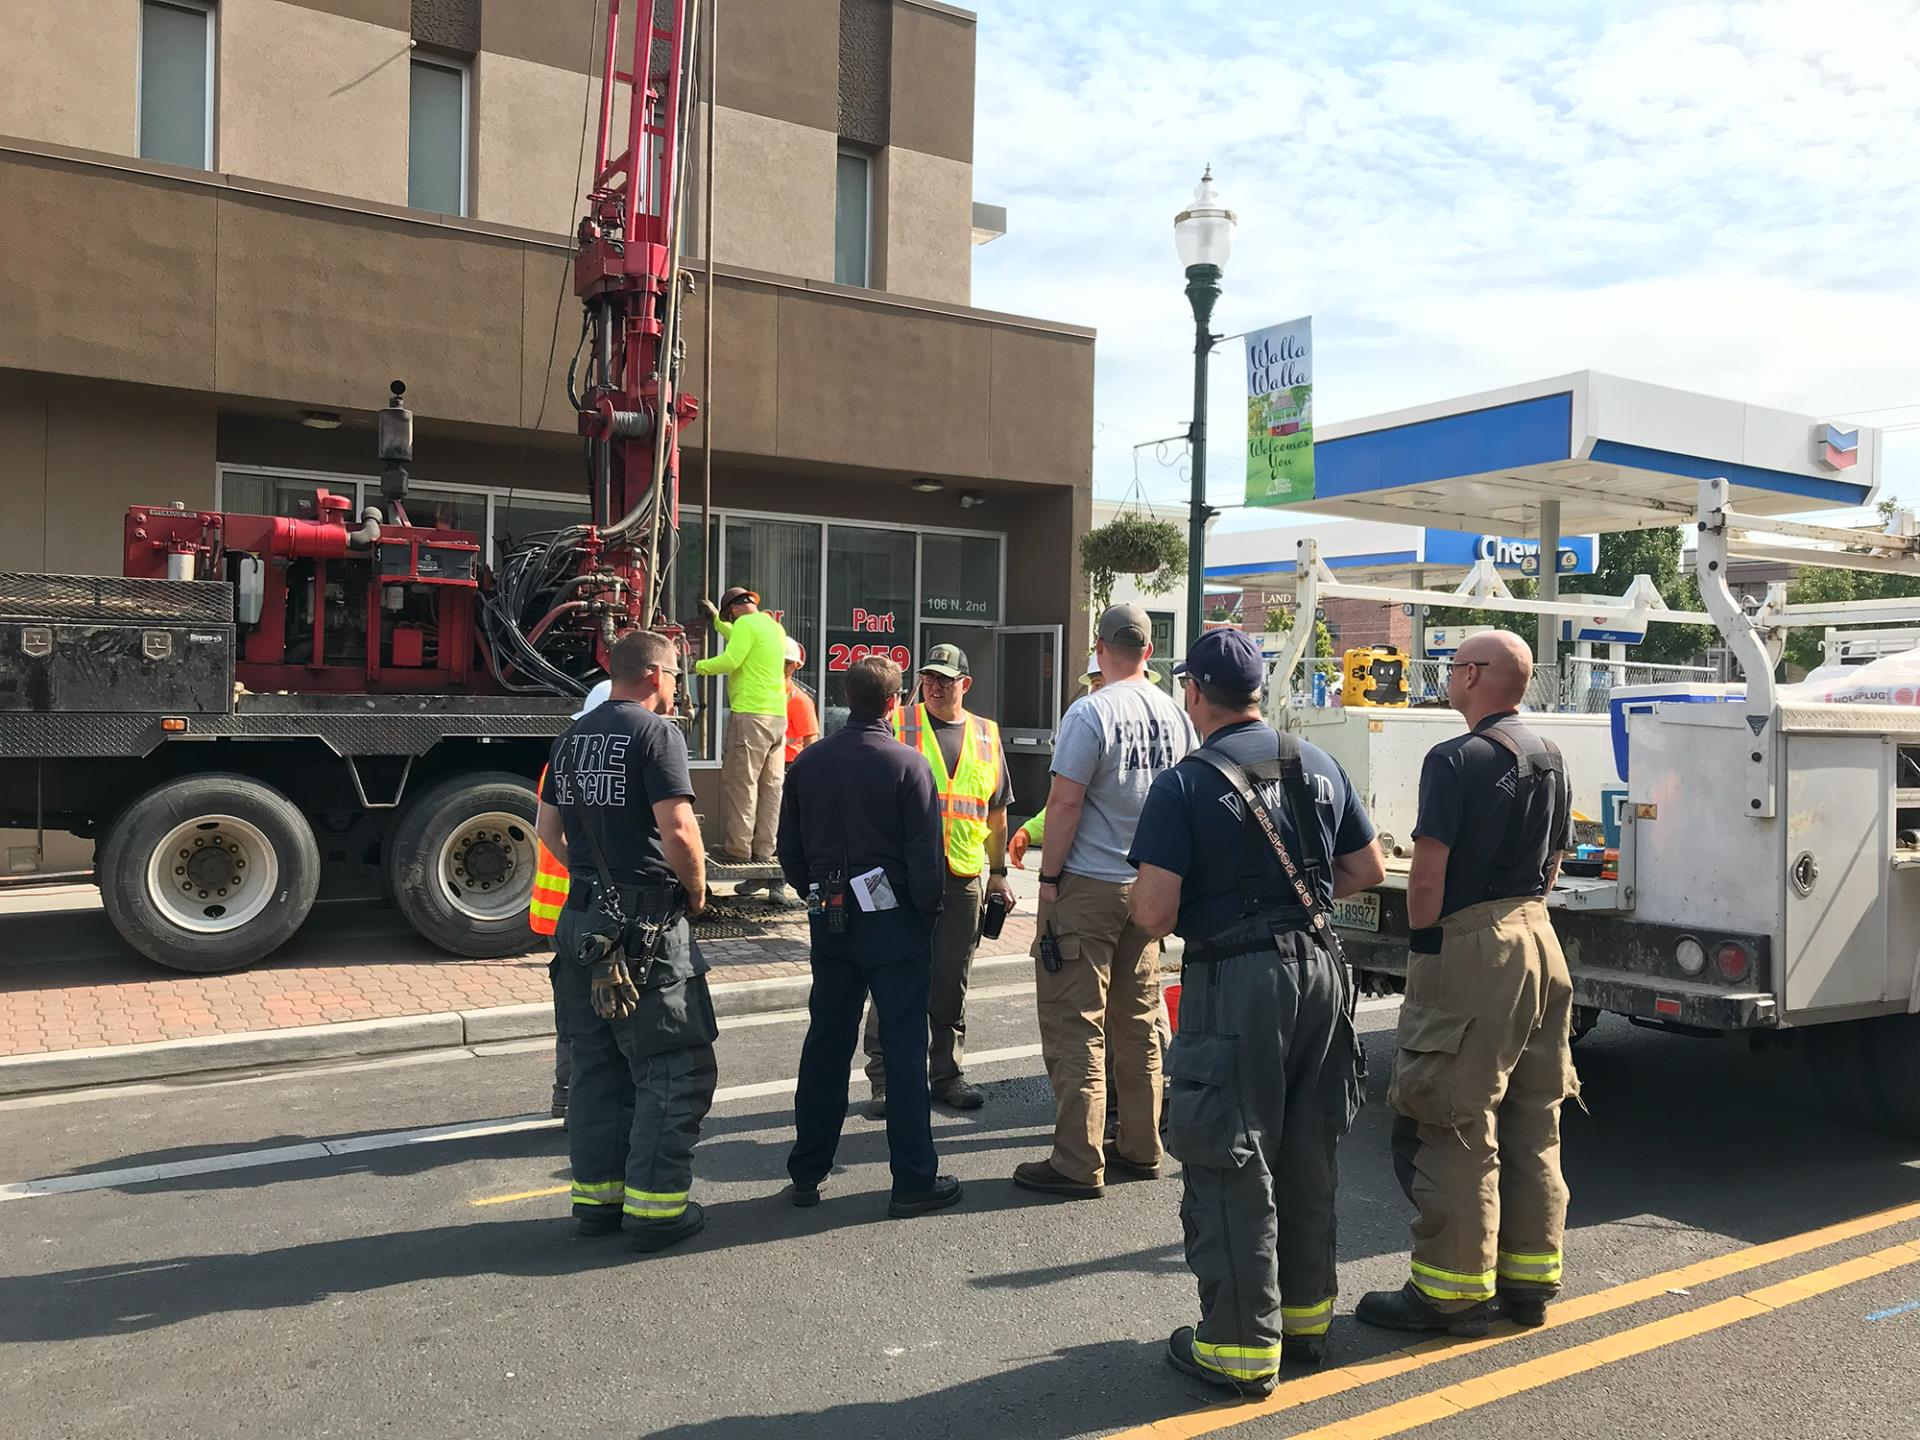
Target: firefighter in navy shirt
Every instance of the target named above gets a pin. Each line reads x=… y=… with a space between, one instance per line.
x=1265 y=1067
x=618 y=799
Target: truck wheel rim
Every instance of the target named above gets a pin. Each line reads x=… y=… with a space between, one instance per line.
x=213 y=874
x=486 y=866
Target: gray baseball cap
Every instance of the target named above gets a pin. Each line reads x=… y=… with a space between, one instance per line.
x=1126 y=625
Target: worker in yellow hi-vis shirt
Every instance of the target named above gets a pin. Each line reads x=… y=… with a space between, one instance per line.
x=753 y=763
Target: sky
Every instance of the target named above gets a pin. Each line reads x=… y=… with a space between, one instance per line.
x=1719 y=197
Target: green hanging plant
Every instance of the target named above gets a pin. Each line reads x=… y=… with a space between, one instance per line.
x=1153 y=550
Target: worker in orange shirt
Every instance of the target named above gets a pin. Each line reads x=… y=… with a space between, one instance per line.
x=550 y=886
x=803 y=728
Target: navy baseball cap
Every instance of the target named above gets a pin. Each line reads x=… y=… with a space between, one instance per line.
x=1227 y=659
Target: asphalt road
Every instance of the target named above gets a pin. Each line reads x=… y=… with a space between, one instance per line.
x=402 y=1290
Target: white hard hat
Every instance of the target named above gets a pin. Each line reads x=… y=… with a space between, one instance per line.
x=596 y=697
x=795 y=655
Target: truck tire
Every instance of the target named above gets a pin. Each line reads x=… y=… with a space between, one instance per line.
x=209 y=872
x=1843 y=1061
x=1896 y=1065
x=460 y=864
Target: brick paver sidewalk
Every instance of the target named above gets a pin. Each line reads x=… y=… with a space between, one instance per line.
x=330 y=972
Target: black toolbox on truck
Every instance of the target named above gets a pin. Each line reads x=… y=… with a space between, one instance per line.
x=94 y=644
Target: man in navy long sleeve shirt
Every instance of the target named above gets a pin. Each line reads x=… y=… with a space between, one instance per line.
x=859 y=805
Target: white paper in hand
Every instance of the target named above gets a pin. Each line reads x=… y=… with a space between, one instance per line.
x=872 y=892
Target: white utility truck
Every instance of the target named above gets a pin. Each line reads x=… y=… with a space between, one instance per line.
x=1769 y=849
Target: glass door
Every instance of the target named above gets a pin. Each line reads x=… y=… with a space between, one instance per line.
x=1027 y=686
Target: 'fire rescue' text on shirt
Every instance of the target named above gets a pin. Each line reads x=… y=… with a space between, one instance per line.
x=609 y=770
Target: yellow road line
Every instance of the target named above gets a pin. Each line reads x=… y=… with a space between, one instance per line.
x=522 y=1195
x=1327 y=1383
x=1578 y=1359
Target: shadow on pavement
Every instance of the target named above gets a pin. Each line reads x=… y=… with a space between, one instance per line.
x=152 y=1294
x=1083 y=1389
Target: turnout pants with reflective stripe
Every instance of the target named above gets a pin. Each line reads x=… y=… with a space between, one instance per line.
x=1484 y=1063
x=633 y=1111
x=1264 y=1084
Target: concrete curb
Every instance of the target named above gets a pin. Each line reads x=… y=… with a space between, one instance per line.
x=352 y=1039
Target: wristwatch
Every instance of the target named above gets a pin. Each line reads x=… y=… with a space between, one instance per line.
x=998 y=872
x=1053 y=879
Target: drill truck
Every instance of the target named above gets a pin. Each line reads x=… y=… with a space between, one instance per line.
x=264 y=710
x=1767 y=879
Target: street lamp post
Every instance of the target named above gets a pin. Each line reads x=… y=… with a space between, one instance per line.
x=1203 y=236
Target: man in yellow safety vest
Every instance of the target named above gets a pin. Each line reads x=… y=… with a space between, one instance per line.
x=970 y=776
x=550 y=887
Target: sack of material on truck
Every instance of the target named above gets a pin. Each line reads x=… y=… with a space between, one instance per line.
x=1889 y=680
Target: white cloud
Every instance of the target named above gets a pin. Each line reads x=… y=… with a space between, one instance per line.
x=1721 y=197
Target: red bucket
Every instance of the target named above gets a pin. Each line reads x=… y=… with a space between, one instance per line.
x=1171 y=994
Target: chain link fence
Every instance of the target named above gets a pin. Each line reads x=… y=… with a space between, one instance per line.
x=1578 y=687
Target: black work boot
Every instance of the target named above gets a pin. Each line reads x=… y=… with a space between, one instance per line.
x=945 y=1192
x=1180 y=1356
x=876 y=1108
x=652 y=1235
x=960 y=1095
x=600 y=1220
x=1407 y=1309
x=1304 y=1349
x=1525 y=1307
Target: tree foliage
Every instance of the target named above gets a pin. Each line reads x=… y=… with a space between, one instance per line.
x=1280 y=622
x=1654 y=553
x=1817 y=585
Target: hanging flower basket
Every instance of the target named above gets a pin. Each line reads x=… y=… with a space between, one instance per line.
x=1139 y=545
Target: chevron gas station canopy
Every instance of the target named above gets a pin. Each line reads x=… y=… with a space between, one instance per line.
x=1616 y=454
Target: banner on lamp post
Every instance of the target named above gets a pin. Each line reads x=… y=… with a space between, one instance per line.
x=1280 y=413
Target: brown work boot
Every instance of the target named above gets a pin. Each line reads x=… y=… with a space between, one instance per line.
x=1131 y=1169
x=1040 y=1175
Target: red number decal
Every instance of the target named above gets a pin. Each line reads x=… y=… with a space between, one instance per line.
x=837 y=657
x=901 y=656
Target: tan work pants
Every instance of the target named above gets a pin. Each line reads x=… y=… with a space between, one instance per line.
x=1105 y=993
x=1484 y=1062
x=753 y=768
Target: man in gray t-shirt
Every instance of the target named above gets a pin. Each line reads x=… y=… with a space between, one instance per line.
x=1105 y=988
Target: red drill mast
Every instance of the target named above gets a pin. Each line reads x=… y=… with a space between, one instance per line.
x=325 y=604
x=626 y=273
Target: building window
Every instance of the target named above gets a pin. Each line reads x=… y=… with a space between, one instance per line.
x=852 y=224
x=870 y=592
x=1160 y=667
x=176 y=83
x=779 y=560
x=437 y=137
x=960 y=578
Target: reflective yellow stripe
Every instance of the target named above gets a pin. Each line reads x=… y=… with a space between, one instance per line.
x=550 y=886
x=1238 y=1362
x=1451 y=1284
x=656 y=1204
x=1307 y=1319
x=605 y=1192
x=1542 y=1269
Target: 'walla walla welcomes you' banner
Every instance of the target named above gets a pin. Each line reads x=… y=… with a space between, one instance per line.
x=1280 y=413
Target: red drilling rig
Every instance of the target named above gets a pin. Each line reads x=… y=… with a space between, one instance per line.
x=267 y=710
x=330 y=602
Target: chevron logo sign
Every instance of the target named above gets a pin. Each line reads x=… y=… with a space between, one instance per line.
x=1835 y=448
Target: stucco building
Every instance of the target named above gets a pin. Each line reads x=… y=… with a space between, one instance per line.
x=226 y=224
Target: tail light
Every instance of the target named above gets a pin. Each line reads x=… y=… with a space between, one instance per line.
x=1732 y=960
x=1690 y=955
